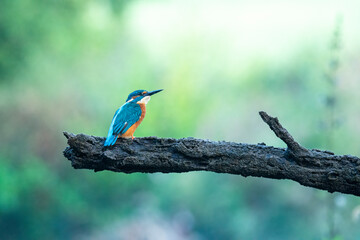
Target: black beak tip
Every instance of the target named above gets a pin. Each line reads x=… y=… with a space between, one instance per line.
x=153 y=92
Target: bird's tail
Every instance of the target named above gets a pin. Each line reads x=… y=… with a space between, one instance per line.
x=110 y=140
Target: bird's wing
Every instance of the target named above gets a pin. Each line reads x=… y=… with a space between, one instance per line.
x=126 y=117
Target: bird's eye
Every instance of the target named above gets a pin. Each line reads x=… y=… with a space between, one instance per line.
x=144 y=92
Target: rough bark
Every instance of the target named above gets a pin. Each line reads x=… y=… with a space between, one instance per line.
x=312 y=168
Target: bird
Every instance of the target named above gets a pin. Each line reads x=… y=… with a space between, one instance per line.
x=129 y=116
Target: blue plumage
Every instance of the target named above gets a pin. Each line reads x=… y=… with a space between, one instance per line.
x=127 y=115
x=135 y=94
x=124 y=118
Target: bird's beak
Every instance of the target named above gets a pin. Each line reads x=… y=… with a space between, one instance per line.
x=153 y=92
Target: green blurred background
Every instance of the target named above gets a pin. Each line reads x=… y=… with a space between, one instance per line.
x=68 y=65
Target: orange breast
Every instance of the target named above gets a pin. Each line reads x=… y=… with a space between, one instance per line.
x=130 y=132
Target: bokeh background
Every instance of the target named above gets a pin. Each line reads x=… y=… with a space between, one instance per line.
x=68 y=65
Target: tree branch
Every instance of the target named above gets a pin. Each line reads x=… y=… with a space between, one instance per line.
x=283 y=134
x=312 y=168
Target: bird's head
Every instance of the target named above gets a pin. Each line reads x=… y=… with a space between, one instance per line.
x=141 y=96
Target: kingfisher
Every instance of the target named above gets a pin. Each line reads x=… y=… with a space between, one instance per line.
x=129 y=116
